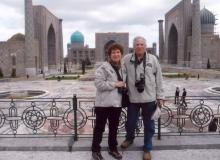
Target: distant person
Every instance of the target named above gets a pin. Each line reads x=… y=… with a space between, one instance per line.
x=213 y=125
x=27 y=76
x=198 y=77
x=184 y=97
x=177 y=94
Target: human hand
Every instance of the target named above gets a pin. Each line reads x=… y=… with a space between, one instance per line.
x=119 y=84
x=160 y=102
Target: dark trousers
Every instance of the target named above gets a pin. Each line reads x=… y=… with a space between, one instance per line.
x=149 y=128
x=103 y=114
x=176 y=99
x=184 y=101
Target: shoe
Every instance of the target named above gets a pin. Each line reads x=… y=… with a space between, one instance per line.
x=146 y=155
x=126 y=143
x=115 y=154
x=97 y=156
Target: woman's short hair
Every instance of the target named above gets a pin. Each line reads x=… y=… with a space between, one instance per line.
x=115 y=46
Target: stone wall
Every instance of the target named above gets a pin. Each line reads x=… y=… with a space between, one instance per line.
x=9 y=49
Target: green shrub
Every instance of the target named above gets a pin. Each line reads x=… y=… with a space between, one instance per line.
x=208 y=64
x=65 y=69
x=13 y=73
x=1 y=73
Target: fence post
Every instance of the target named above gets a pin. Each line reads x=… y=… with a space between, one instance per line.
x=159 y=129
x=75 y=117
x=159 y=122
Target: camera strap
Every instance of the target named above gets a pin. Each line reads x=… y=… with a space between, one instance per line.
x=137 y=63
x=120 y=78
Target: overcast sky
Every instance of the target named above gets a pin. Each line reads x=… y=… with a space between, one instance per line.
x=138 y=17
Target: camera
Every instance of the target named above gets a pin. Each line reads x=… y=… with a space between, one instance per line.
x=122 y=90
x=139 y=84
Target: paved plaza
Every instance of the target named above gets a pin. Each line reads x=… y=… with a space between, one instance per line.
x=131 y=155
x=66 y=88
x=174 y=147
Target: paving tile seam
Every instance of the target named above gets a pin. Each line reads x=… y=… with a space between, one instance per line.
x=76 y=149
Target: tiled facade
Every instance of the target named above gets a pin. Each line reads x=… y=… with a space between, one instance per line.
x=40 y=50
x=189 y=37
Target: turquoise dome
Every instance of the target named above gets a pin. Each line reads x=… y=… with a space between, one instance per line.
x=207 y=17
x=77 y=37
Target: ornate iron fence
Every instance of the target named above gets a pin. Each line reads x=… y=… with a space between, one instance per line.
x=75 y=117
x=194 y=117
x=36 y=117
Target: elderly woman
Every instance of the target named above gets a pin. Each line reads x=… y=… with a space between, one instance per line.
x=109 y=84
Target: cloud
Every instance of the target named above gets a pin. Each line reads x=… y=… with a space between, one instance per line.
x=90 y=16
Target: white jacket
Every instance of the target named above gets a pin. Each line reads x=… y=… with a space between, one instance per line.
x=107 y=94
x=153 y=89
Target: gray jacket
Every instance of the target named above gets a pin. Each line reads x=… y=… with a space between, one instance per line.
x=153 y=89
x=107 y=94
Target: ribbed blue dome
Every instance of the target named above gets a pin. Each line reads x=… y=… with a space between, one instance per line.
x=77 y=37
x=207 y=17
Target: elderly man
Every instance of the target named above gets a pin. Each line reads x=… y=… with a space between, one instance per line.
x=144 y=81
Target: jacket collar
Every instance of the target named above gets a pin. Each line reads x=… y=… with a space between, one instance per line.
x=132 y=59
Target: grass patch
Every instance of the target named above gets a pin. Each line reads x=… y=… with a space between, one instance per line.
x=178 y=75
x=69 y=77
x=174 y=75
x=74 y=73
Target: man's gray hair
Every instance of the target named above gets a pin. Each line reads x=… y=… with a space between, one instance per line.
x=137 y=38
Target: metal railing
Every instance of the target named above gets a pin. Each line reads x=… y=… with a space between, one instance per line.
x=75 y=117
x=36 y=117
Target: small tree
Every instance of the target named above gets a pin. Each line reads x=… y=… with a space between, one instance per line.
x=208 y=64
x=83 y=66
x=65 y=69
x=1 y=73
x=13 y=73
x=87 y=61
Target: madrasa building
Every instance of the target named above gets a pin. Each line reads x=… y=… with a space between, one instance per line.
x=78 y=51
x=190 y=39
x=40 y=50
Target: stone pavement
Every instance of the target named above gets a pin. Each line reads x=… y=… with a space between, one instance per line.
x=66 y=88
x=130 y=155
x=170 y=147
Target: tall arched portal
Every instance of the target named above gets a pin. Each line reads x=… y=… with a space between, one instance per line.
x=107 y=45
x=172 y=45
x=51 y=48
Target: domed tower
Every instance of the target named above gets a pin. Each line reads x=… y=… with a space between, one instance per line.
x=77 y=39
x=207 y=21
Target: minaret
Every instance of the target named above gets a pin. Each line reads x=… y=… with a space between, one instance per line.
x=29 y=39
x=161 y=41
x=196 y=56
x=61 y=43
